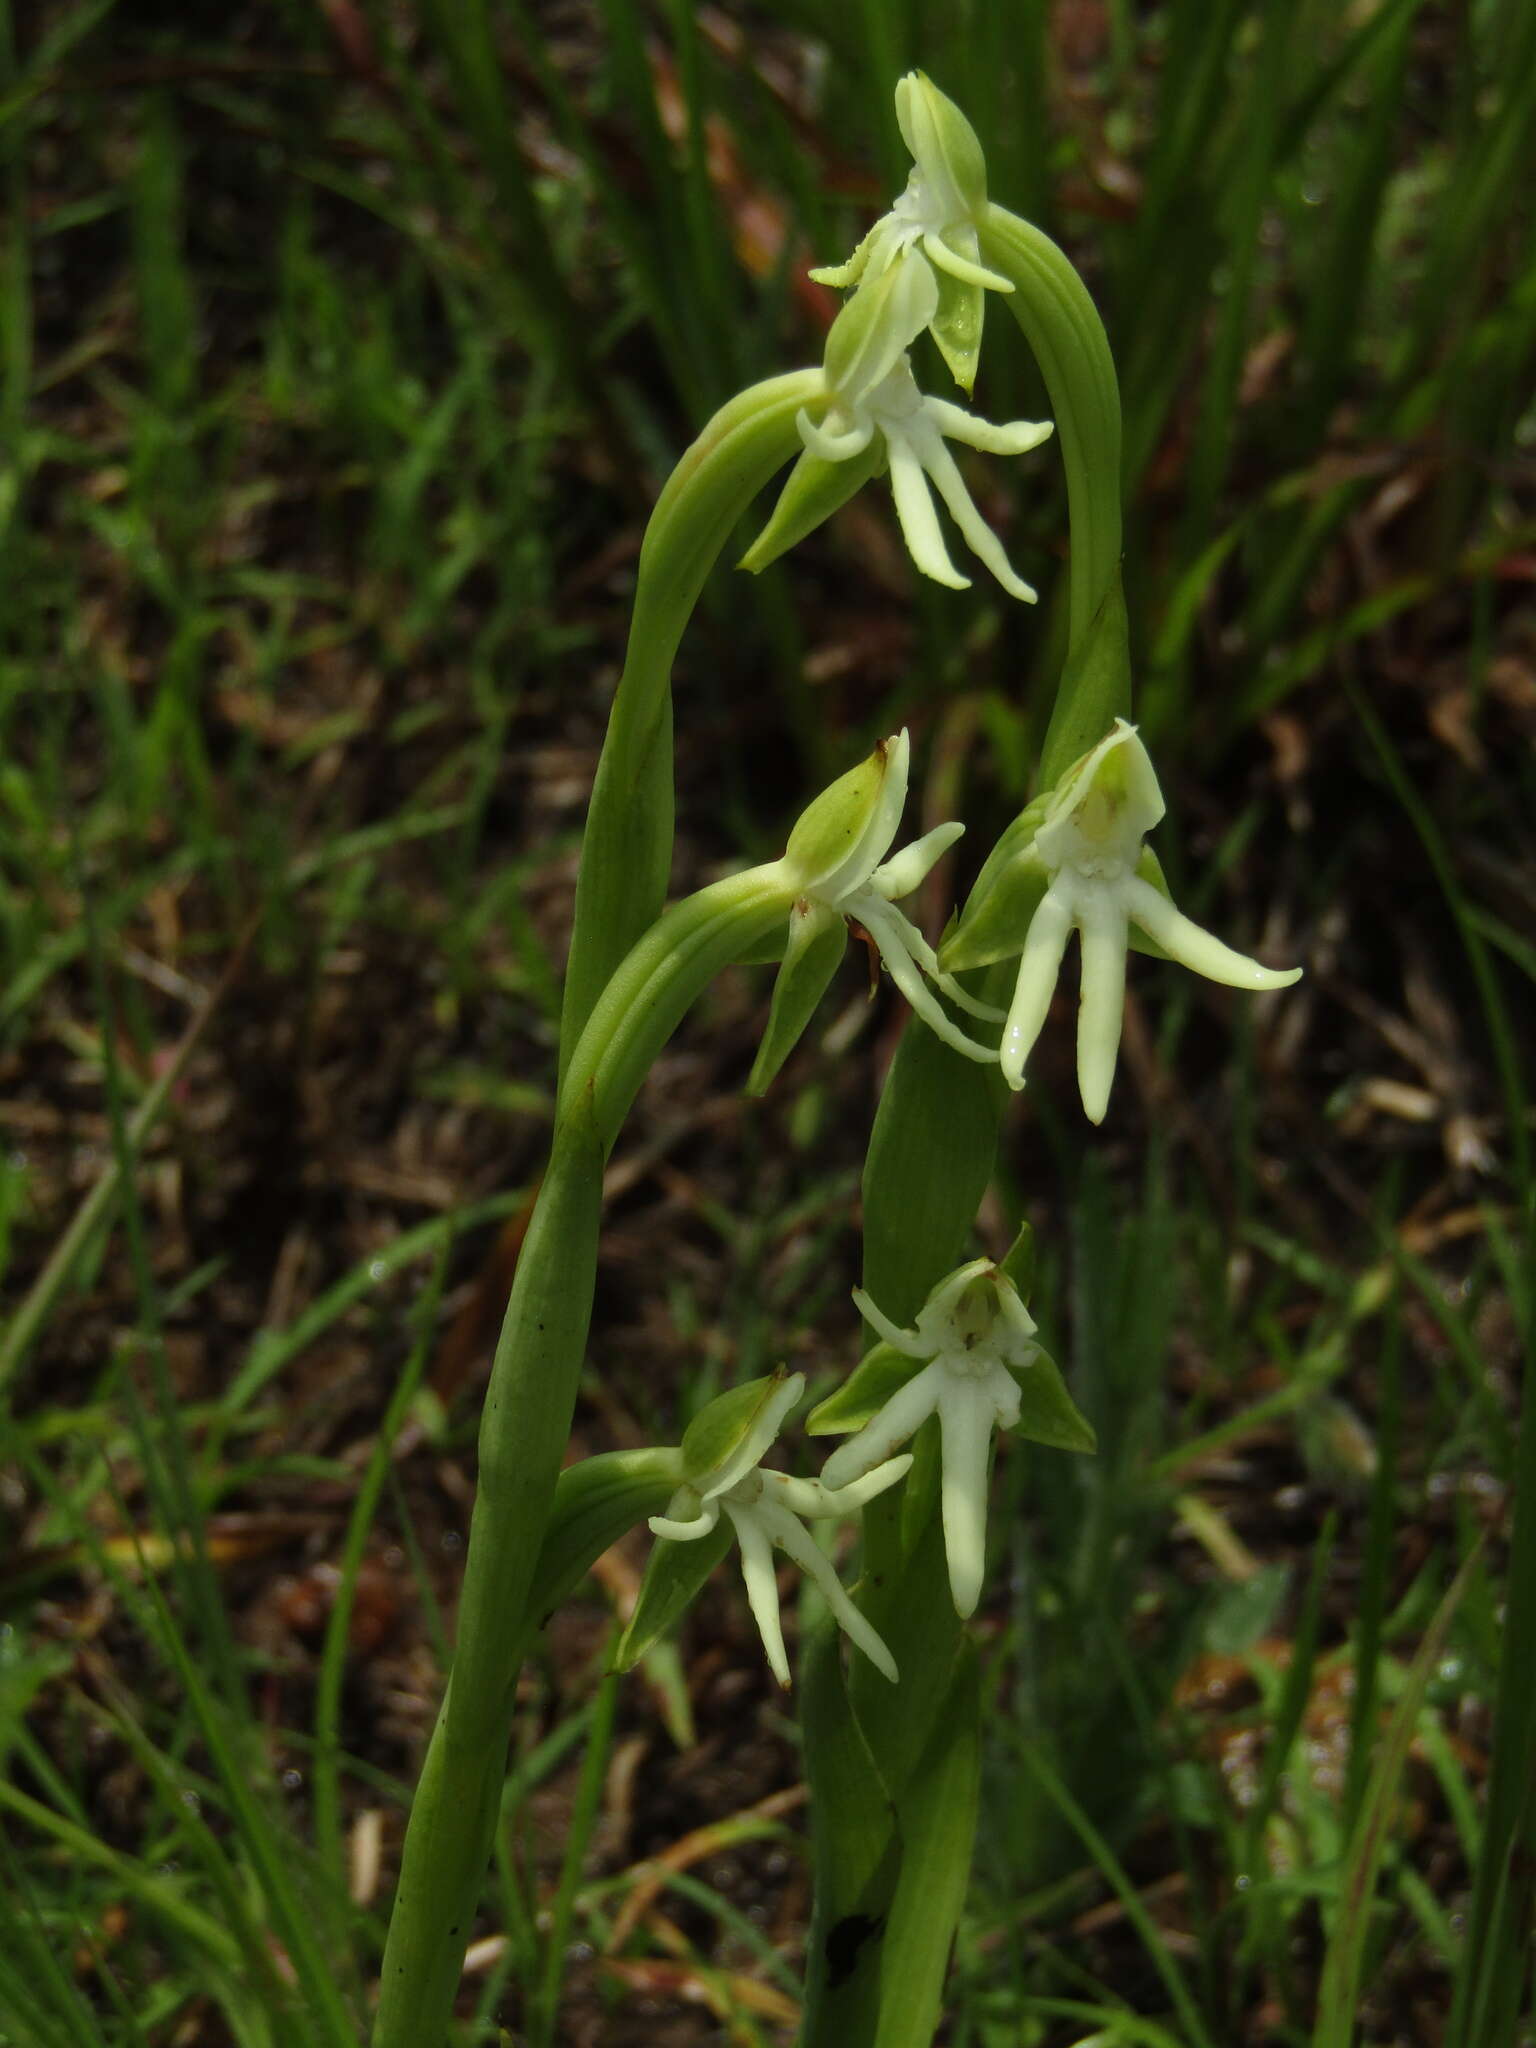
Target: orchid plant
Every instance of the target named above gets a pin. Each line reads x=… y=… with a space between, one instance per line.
x=892 y=1741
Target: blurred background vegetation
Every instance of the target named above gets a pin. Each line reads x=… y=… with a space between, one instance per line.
x=344 y=344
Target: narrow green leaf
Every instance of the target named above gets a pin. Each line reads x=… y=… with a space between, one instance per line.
x=937 y=1818
x=1343 y=1966
x=818 y=939
x=854 y=1853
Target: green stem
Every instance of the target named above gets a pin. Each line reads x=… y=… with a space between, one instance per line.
x=523 y=1433
x=1066 y=336
x=626 y=853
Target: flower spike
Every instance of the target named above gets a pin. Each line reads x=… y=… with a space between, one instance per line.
x=768 y=1510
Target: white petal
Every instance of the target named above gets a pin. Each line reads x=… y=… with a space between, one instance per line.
x=815 y=1502
x=919 y=521
x=1039 y=966
x=1101 y=1011
x=1194 y=947
x=901 y=1417
x=762 y=1586
x=799 y=1496
x=751 y=1449
x=1018 y=1324
x=967 y=1425
x=979 y=537
x=1014 y=437
x=1105 y=806
x=938 y=252
x=834 y=444
x=928 y=960
x=801 y=1546
x=904 y=871
x=1001 y=1391
x=686 y=1532
x=906 y=1341
x=890 y=930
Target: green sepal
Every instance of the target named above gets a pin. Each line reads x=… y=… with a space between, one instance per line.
x=831 y=825
x=818 y=938
x=813 y=491
x=877 y=325
x=723 y=1425
x=956 y=326
x=1150 y=869
x=879 y=1374
x=1018 y=1262
x=674 y=1577
x=1047 y=1413
x=596 y=1502
x=1008 y=892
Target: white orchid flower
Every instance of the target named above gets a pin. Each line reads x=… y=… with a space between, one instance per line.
x=1089 y=844
x=768 y=1510
x=934 y=218
x=872 y=392
x=840 y=868
x=973 y=1333
x=937 y=210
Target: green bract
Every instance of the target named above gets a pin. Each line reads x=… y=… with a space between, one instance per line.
x=818 y=938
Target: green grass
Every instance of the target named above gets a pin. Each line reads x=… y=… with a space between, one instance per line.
x=337 y=376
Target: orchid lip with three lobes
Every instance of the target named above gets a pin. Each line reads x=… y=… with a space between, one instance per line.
x=1080 y=863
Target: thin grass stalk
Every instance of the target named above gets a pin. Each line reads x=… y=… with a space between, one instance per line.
x=333 y=1650
x=1495 y=1969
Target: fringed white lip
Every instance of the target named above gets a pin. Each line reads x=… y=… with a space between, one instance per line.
x=1091 y=843
x=768 y=1510
x=971 y=1331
